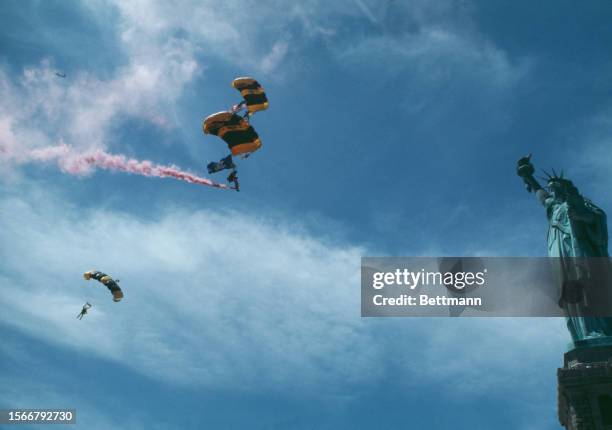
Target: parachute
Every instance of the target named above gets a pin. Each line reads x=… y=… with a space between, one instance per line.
x=235 y=130
x=109 y=282
x=253 y=94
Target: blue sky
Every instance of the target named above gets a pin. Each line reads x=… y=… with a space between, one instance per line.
x=393 y=129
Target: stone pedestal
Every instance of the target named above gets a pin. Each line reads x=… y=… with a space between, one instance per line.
x=585 y=389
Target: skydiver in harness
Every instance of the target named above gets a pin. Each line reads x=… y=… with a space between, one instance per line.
x=233 y=177
x=226 y=163
x=240 y=106
x=86 y=307
x=236 y=129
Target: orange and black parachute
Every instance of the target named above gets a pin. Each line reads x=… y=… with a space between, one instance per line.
x=109 y=282
x=253 y=94
x=236 y=131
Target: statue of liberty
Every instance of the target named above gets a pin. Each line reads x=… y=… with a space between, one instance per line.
x=577 y=236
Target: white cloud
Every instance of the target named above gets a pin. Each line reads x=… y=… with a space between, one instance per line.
x=221 y=298
x=41 y=110
x=211 y=298
x=438 y=61
x=366 y=11
x=225 y=299
x=22 y=391
x=271 y=61
x=241 y=33
x=167 y=44
x=486 y=354
x=436 y=54
x=589 y=147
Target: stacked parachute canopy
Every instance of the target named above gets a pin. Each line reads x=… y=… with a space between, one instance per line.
x=109 y=282
x=253 y=94
x=240 y=137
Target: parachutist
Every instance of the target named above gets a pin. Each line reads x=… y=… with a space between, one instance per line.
x=235 y=130
x=254 y=95
x=237 y=108
x=86 y=307
x=233 y=177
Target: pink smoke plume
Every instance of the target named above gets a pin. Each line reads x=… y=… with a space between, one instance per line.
x=79 y=164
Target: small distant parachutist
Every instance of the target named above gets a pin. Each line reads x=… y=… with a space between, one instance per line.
x=86 y=307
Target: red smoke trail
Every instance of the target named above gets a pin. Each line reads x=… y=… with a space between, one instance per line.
x=77 y=164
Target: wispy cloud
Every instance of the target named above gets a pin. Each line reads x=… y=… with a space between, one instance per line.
x=438 y=61
x=21 y=391
x=589 y=149
x=228 y=299
x=166 y=45
x=366 y=11
x=221 y=298
x=437 y=55
x=276 y=55
x=235 y=299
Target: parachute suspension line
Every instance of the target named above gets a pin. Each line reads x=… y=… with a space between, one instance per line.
x=238 y=107
x=242 y=106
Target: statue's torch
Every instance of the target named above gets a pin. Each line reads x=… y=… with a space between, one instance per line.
x=525 y=170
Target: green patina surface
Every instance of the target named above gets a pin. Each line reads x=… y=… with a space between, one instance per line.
x=576 y=228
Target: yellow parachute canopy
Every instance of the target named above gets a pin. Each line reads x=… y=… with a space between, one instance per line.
x=109 y=282
x=239 y=135
x=252 y=92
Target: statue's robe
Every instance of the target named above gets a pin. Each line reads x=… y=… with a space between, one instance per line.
x=574 y=244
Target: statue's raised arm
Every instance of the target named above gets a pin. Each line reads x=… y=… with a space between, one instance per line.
x=525 y=170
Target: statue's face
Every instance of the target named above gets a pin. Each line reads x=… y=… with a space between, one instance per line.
x=557 y=190
x=562 y=189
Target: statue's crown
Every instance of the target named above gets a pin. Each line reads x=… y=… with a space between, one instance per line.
x=559 y=180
